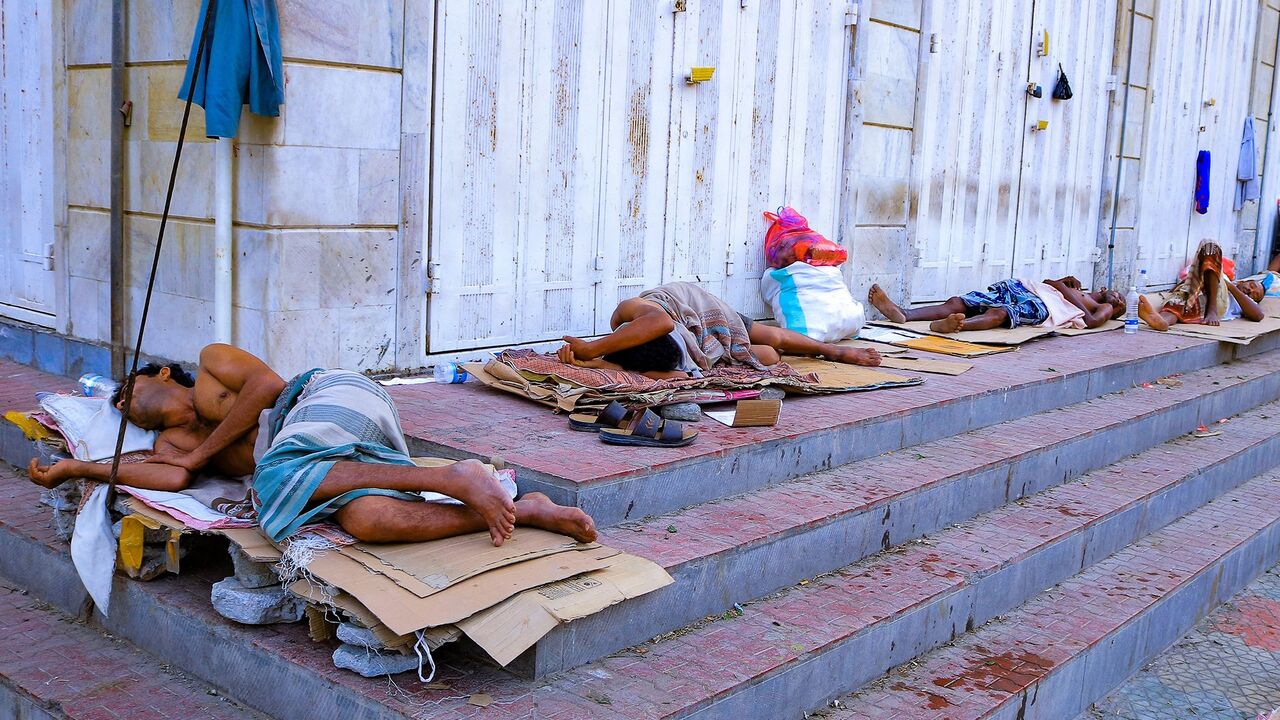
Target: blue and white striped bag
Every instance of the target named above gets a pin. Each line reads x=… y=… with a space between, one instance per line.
x=812 y=301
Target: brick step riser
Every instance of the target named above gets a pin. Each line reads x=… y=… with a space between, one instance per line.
x=1073 y=686
x=848 y=665
x=745 y=469
x=16 y=704
x=712 y=585
x=270 y=684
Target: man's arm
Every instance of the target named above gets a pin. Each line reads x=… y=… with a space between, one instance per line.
x=644 y=322
x=148 y=476
x=256 y=386
x=1095 y=313
x=1249 y=310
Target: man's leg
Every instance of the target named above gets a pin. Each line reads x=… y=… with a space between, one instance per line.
x=374 y=518
x=1157 y=320
x=958 y=322
x=468 y=481
x=791 y=342
x=891 y=310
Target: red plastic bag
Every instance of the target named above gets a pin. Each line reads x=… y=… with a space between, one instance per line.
x=789 y=239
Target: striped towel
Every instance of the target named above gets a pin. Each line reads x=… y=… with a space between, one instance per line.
x=322 y=417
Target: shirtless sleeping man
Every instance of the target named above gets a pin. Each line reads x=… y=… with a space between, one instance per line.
x=1010 y=303
x=679 y=329
x=328 y=446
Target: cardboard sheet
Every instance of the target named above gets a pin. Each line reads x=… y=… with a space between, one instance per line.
x=1105 y=327
x=999 y=336
x=137 y=507
x=341 y=600
x=749 y=413
x=929 y=365
x=441 y=563
x=1238 y=331
x=254 y=544
x=867 y=344
x=403 y=612
x=848 y=378
x=513 y=626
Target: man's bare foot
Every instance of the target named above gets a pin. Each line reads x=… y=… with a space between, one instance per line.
x=854 y=356
x=537 y=510
x=880 y=299
x=1150 y=315
x=949 y=324
x=1211 y=317
x=47 y=476
x=477 y=487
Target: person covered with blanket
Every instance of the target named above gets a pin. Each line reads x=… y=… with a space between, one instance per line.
x=1206 y=295
x=1011 y=303
x=326 y=444
x=678 y=329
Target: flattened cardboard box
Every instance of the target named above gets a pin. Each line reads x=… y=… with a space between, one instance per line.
x=403 y=612
x=508 y=629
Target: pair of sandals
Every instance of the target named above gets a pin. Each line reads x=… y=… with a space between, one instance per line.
x=617 y=425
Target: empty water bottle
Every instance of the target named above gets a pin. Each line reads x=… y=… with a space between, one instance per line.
x=447 y=372
x=1131 y=310
x=95 y=385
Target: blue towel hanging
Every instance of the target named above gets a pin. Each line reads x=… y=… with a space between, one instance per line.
x=1202 y=182
x=243 y=64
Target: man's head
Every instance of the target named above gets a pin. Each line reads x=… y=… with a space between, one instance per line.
x=1117 y=302
x=1253 y=289
x=661 y=354
x=156 y=389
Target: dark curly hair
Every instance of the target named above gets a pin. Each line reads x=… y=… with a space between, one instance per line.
x=179 y=375
x=661 y=354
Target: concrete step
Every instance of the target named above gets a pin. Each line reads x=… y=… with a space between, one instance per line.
x=790 y=651
x=54 y=668
x=1069 y=646
x=616 y=484
x=748 y=546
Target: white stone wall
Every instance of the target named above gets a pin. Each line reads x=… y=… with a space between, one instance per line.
x=316 y=190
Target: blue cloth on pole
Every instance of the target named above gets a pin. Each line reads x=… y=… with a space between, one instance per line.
x=1202 y=182
x=241 y=64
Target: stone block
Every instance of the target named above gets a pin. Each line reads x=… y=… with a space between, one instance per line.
x=160 y=30
x=252 y=575
x=342 y=107
x=88 y=32
x=356 y=32
x=684 y=412
x=89 y=317
x=369 y=663
x=353 y=634
x=255 y=606
x=298 y=186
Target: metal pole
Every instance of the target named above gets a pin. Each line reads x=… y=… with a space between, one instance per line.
x=119 y=295
x=1124 y=122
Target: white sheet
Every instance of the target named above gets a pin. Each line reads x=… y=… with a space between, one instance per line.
x=91 y=425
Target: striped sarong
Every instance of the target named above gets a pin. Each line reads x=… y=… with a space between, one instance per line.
x=322 y=417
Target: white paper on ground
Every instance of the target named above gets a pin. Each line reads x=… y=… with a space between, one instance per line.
x=93 y=548
x=878 y=333
x=722 y=416
x=407 y=381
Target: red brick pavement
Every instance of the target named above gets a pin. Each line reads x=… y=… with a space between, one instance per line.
x=81 y=674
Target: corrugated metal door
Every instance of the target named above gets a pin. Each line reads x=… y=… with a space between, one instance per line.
x=518 y=141
x=766 y=131
x=1059 y=200
x=1225 y=94
x=1199 y=99
x=971 y=125
x=573 y=166
x=27 y=224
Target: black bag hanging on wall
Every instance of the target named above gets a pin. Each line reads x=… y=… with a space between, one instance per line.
x=1062 y=90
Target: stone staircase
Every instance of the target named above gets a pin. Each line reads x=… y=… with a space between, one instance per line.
x=1024 y=535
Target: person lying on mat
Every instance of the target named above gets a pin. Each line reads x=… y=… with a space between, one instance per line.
x=679 y=329
x=326 y=444
x=1010 y=303
x=1269 y=279
x=1205 y=296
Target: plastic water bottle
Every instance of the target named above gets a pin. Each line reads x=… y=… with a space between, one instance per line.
x=447 y=372
x=95 y=385
x=1131 y=310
